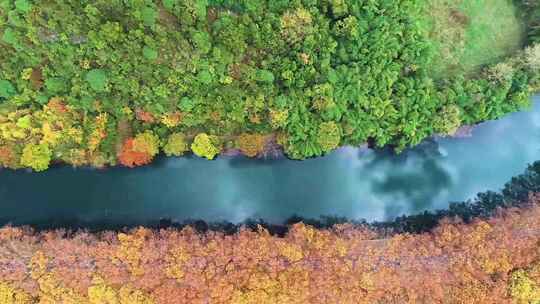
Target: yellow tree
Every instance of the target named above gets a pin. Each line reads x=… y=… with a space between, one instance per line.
x=146 y=142
x=251 y=144
x=36 y=157
x=205 y=145
x=176 y=145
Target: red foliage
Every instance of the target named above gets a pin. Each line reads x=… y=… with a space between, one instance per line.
x=130 y=158
x=7 y=156
x=144 y=116
x=57 y=105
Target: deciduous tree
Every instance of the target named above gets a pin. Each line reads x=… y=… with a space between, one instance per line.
x=176 y=145
x=129 y=157
x=329 y=136
x=146 y=142
x=36 y=156
x=205 y=145
x=251 y=144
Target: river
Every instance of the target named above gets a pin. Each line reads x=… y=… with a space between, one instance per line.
x=352 y=183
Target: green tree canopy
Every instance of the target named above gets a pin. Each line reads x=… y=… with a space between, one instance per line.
x=176 y=145
x=329 y=136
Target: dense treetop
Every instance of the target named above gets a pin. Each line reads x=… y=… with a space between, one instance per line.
x=489 y=261
x=80 y=80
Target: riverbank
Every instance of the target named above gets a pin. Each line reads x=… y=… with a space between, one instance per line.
x=353 y=76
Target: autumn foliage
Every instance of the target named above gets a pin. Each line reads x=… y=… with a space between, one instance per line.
x=144 y=116
x=129 y=157
x=485 y=261
x=7 y=156
x=251 y=145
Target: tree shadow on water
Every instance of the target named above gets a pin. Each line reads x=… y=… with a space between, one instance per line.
x=428 y=149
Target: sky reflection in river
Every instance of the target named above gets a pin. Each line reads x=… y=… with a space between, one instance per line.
x=354 y=183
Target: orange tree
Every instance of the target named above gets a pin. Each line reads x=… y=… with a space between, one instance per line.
x=484 y=261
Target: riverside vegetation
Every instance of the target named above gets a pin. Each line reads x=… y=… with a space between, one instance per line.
x=105 y=82
x=488 y=261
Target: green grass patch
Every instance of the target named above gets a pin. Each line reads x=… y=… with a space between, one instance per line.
x=470 y=33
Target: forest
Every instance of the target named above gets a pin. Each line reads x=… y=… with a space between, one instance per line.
x=107 y=82
x=120 y=82
x=484 y=261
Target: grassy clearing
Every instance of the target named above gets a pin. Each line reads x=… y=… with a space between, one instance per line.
x=470 y=33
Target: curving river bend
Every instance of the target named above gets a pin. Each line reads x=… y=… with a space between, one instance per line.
x=354 y=183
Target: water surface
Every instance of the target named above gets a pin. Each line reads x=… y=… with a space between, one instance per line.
x=354 y=183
